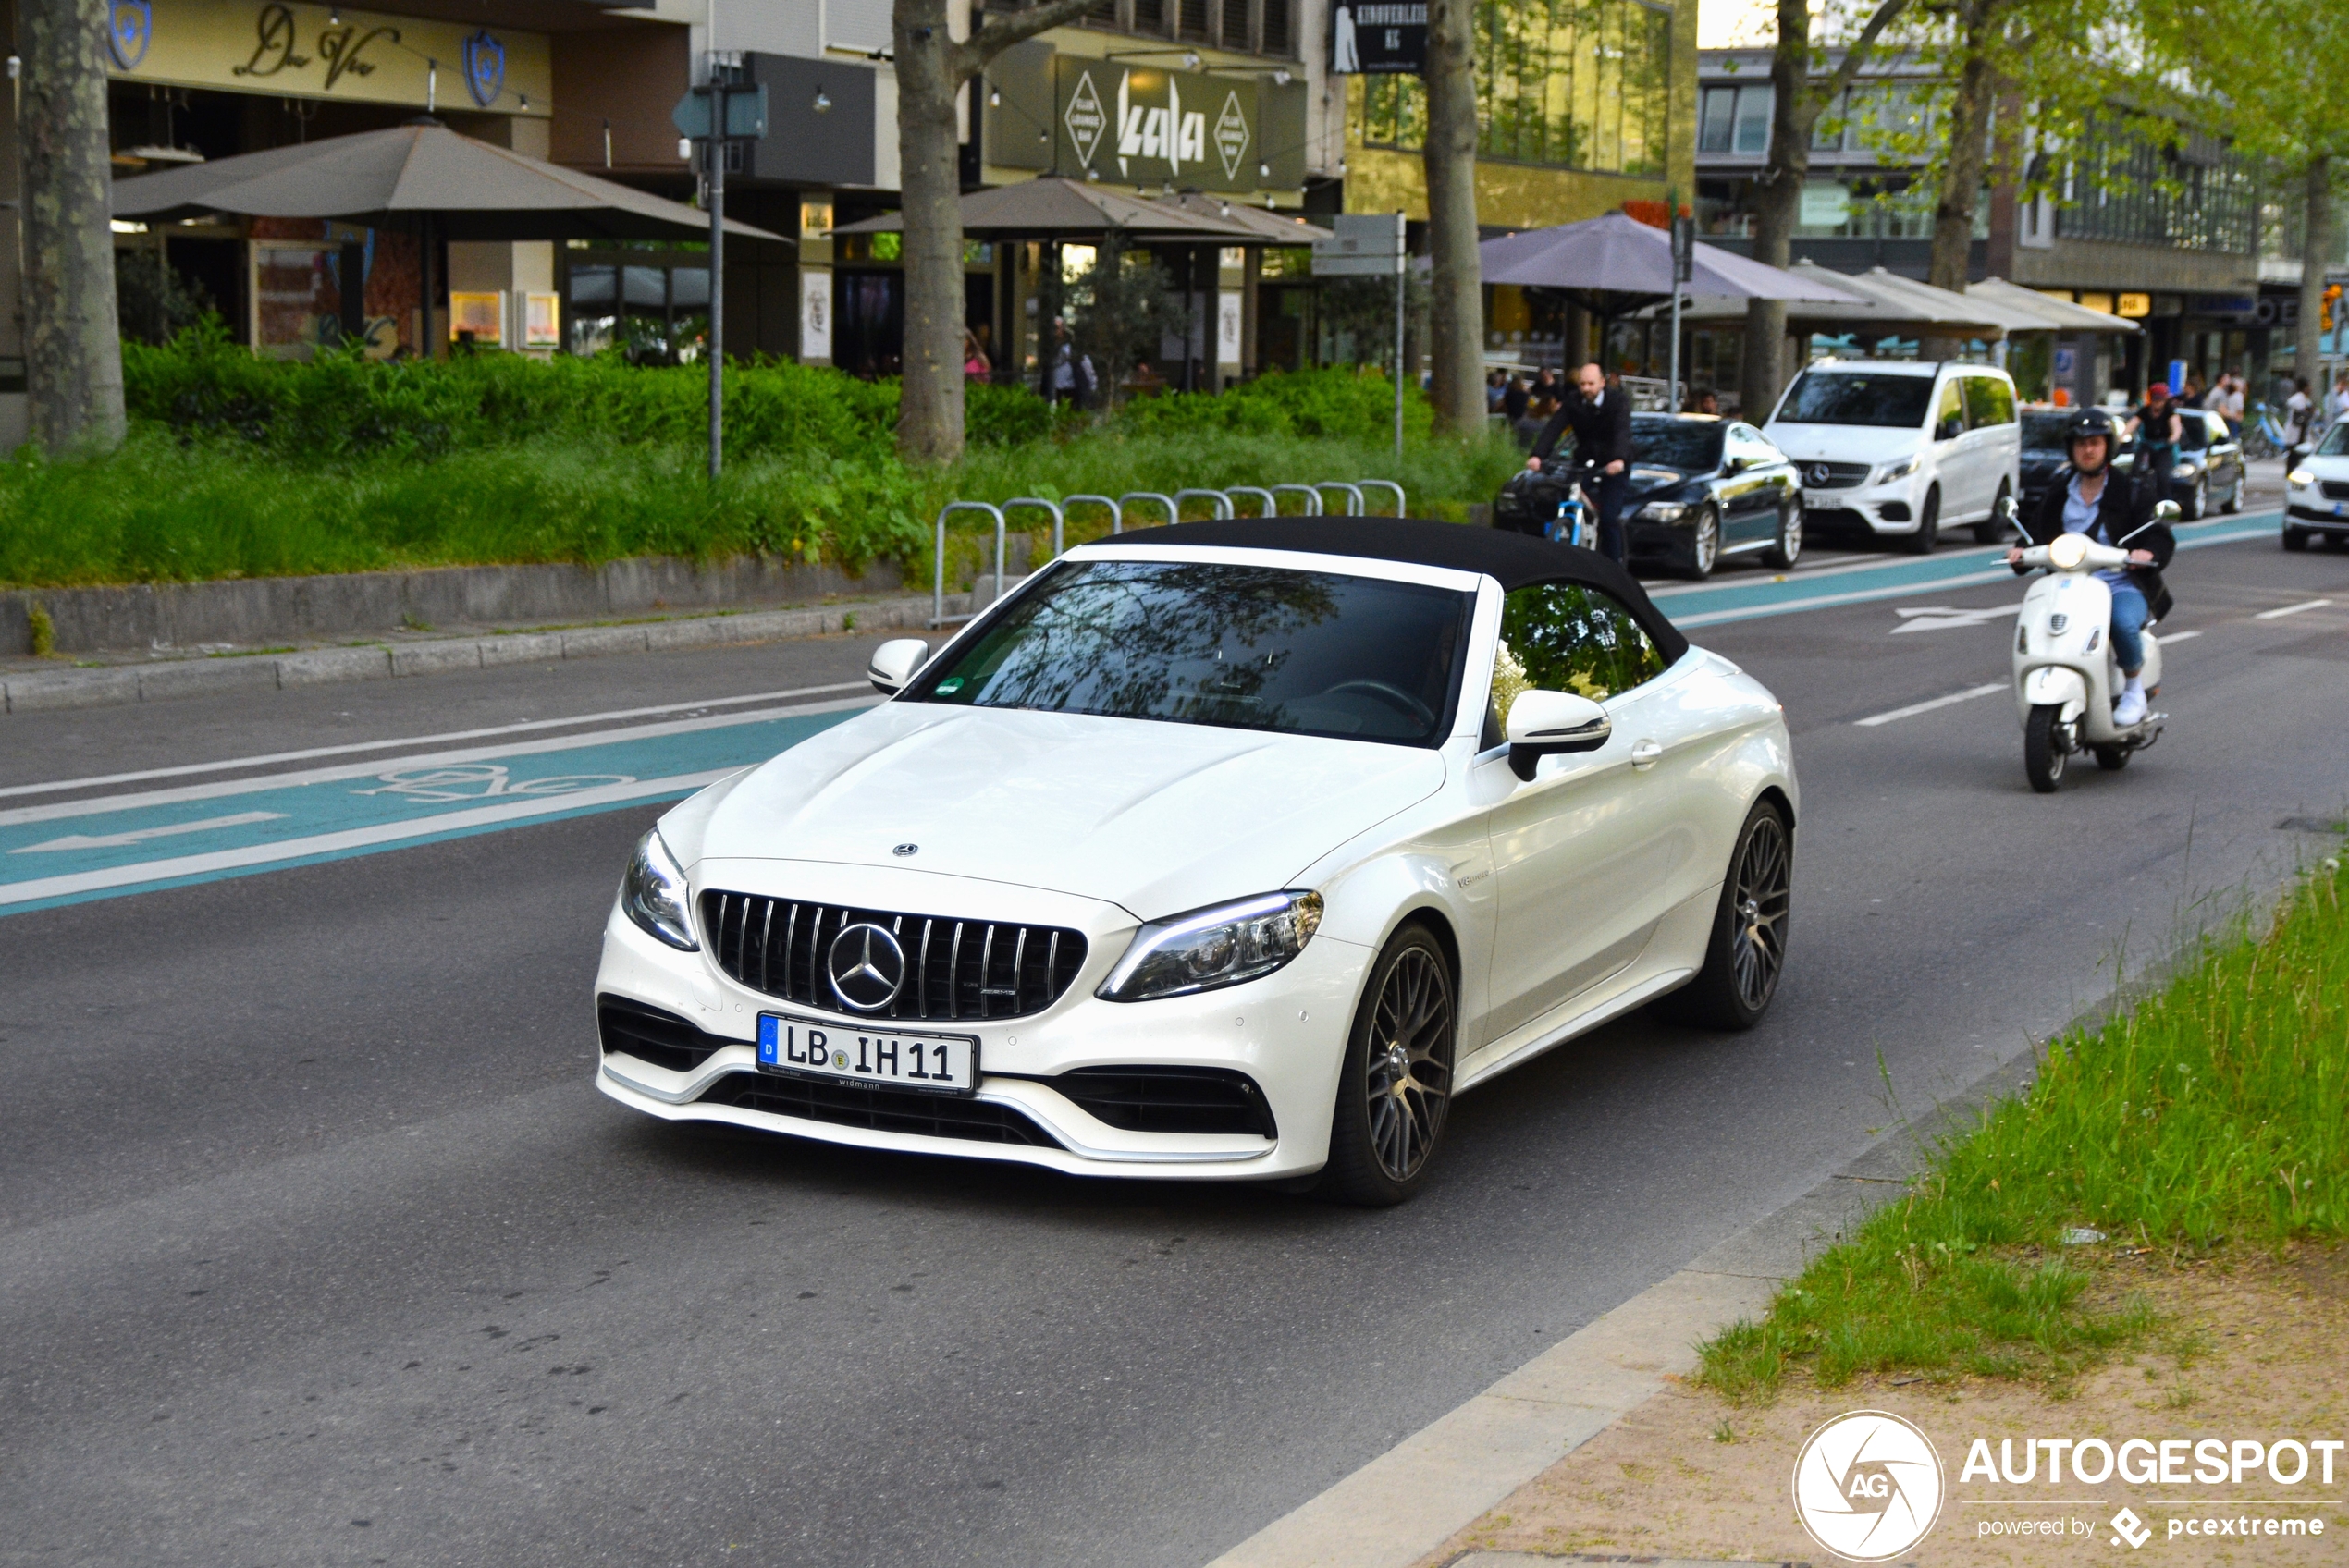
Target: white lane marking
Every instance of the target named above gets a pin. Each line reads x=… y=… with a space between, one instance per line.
x=1843 y=566
x=375 y=768
x=2292 y=609
x=1940 y=618
x=1915 y=708
x=349 y=838
x=2169 y=639
x=522 y=728
x=140 y=835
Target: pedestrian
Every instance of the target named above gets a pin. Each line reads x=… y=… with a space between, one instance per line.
x=1601 y=420
x=2297 y=411
x=2229 y=406
x=2339 y=409
x=1514 y=398
x=1496 y=385
x=1071 y=378
x=1708 y=402
x=975 y=363
x=2158 y=429
x=2192 y=396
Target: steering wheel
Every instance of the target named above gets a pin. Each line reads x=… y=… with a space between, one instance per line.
x=1386 y=691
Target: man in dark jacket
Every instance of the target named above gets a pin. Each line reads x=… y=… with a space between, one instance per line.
x=1601 y=420
x=2089 y=499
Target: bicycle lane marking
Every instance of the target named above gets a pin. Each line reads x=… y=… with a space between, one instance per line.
x=59 y=859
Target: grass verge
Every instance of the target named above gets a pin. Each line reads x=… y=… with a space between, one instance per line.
x=2210 y=1113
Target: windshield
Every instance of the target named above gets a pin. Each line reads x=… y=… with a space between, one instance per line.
x=1691 y=445
x=2336 y=442
x=2045 y=432
x=1842 y=397
x=1242 y=646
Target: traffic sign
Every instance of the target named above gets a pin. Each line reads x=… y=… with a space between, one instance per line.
x=745 y=114
x=1361 y=245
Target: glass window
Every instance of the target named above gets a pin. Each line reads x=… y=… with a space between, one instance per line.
x=1857 y=397
x=1950 y=406
x=1569 y=637
x=1242 y=646
x=593 y=285
x=1754 y=120
x=2193 y=434
x=645 y=285
x=2047 y=432
x=691 y=285
x=1691 y=445
x=1719 y=122
x=1989 y=401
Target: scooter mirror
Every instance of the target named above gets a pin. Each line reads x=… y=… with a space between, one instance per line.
x=2167 y=511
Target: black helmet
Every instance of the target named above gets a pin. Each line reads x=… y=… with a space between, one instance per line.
x=2088 y=422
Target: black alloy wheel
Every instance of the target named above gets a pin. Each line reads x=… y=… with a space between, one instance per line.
x=1929 y=532
x=1704 y=551
x=1993 y=529
x=1395 y=1086
x=1789 y=548
x=1747 y=954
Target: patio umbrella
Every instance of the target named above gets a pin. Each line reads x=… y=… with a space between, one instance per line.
x=392 y=178
x=1617 y=255
x=1271 y=227
x=2062 y=315
x=1882 y=303
x=1076 y=209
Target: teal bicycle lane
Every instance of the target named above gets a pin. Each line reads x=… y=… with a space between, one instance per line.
x=70 y=851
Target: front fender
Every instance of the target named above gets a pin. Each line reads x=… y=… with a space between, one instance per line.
x=2053 y=683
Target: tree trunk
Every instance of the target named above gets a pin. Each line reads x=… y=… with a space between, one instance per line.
x=1970 y=108
x=930 y=416
x=72 y=340
x=2318 y=227
x=1456 y=311
x=1777 y=202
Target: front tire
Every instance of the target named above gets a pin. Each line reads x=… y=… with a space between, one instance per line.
x=1747 y=953
x=1395 y=1088
x=2234 y=495
x=1992 y=528
x=2043 y=754
x=2113 y=759
x=1789 y=548
x=2197 y=505
x=1929 y=532
x=1704 y=551
x=2295 y=539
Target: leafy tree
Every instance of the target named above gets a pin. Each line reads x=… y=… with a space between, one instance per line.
x=1455 y=319
x=1119 y=309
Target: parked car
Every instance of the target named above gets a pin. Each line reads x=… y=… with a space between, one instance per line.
x=2316 y=492
x=1901 y=448
x=1226 y=851
x=2209 y=464
x=1704 y=488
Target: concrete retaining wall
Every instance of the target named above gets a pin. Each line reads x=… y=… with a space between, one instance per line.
x=261 y=611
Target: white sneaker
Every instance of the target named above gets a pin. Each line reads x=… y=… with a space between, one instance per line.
x=2131 y=708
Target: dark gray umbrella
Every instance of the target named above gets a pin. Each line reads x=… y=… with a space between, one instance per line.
x=1617 y=254
x=393 y=178
x=1075 y=209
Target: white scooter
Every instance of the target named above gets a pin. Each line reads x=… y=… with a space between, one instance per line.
x=2066 y=678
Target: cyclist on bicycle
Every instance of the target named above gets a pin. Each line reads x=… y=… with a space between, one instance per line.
x=1601 y=421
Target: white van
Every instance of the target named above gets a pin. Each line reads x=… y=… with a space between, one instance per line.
x=1902 y=447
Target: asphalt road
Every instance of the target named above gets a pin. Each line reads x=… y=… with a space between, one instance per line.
x=318 y=1247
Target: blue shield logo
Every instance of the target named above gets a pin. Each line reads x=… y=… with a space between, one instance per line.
x=130 y=28
x=485 y=67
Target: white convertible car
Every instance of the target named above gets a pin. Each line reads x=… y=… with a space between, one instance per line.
x=1231 y=850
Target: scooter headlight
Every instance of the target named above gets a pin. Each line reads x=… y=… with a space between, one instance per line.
x=2066 y=551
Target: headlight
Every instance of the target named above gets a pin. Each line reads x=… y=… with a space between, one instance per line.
x=1900 y=470
x=1663 y=511
x=2185 y=470
x=2065 y=552
x=2302 y=477
x=1210 y=948
x=655 y=896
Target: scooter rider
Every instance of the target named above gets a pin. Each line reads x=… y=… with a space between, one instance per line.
x=2110 y=508
x=1601 y=419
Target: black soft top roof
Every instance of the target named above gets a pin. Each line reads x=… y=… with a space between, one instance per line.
x=1514 y=560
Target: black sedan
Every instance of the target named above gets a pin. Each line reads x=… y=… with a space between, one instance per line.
x=1704 y=488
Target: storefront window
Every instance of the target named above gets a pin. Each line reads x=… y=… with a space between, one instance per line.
x=297 y=299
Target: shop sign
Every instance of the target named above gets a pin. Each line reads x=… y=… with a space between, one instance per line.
x=303 y=51
x=1378 y=38
x=2135 y=306
x=1142 y=127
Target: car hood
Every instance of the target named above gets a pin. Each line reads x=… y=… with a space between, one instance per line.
x=1844 y=443
x=1158 y=817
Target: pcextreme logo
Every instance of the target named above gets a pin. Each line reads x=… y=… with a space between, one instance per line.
x=1868 y=1486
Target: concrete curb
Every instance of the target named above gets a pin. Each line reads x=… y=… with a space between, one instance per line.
x=49 y=690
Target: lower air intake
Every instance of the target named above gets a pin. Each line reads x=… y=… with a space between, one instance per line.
x=879 y=1111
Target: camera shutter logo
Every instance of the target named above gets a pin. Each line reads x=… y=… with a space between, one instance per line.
x=866 y=967
x=1868 y=1486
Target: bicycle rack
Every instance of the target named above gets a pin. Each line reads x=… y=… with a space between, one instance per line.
x=938 y=604
x=1174 y=513
x=1402 y=506
x=1312 y=497
x=1059 y=524
x=1116 y=522
x=1352 y=490
x=1272 y=502
x=1221 y=502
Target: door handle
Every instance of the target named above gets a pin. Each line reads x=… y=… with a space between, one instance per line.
x=1645 y=755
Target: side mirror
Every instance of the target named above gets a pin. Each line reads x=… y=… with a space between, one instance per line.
x=2167 y=511
x=893 y=663
x=1948 y=429
x=2005 y=510
x=1543 y=723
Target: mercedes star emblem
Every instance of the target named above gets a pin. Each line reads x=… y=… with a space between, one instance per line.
x=867 y=968
x=1821 y=474
x=905 y=850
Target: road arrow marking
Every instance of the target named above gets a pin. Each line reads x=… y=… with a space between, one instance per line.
x=1941 y=617
x=140 y=836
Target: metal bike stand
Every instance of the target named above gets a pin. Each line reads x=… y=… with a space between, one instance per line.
x=1174 y=513
x=938 y=604
x=1059 y=525
x=1216 y=498
x=1402 y=506
x=1352 y=491
x=1116 y=524
x=1312 y=497
x=1272 y=502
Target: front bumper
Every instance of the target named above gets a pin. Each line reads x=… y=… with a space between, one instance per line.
x=1285 y=1034
x=2316 y=516
x=1892 y=507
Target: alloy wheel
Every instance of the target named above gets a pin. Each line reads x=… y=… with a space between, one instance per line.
x=1408 y=1081
x=1763 y=898
x=1704 y=543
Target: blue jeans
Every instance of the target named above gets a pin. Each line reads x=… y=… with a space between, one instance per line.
x=2129 y=616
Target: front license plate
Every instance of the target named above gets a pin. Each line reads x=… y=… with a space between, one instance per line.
x=815 y=1048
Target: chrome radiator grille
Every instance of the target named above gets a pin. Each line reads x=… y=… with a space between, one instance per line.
x=955 y=969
